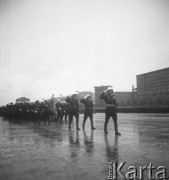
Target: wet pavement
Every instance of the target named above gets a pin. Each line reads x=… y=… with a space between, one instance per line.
x=30 y=151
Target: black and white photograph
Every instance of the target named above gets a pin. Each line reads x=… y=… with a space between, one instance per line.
x=84 y=89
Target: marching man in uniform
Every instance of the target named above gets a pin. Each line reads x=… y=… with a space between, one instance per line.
x=74 y=110
x=111 y=109
x=88 y=110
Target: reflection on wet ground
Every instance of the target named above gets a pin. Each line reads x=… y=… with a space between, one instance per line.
x=52 y=151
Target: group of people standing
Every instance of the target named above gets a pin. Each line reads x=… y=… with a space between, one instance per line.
x=110 y=111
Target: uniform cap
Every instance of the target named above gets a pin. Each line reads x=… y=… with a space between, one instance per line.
x=74 y=94
x=87 y=96
x=109 y=89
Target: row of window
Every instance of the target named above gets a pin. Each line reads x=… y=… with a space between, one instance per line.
x=153 y=79
x=155 y=74
x=158 y=76
x=153 y=83
x=149 y=86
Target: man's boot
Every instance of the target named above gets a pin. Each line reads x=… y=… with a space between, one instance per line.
x=116 y=128
x=92 y=126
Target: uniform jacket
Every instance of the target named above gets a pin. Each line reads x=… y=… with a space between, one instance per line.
x=74 y=105
x=109 y=99
x=88 y=104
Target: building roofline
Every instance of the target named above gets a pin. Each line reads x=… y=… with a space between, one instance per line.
x=153 y=71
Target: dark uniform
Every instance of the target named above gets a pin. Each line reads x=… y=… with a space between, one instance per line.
x=59 y=110
x=73 y=111
x=66 y=108
x=110 y=111
x=88 y=111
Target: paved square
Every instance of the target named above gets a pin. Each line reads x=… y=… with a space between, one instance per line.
x=52 y=151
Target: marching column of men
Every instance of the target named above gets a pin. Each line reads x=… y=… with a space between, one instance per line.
x=58 y=110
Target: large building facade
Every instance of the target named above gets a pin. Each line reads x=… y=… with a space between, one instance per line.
x=153 y=88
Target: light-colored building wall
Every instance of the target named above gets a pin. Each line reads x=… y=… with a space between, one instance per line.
x=123 y=99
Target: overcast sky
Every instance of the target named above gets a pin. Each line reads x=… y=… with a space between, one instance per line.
x=63 y=46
